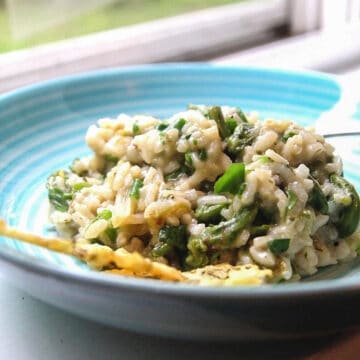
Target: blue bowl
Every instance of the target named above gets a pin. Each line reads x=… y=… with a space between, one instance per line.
x=42 y=129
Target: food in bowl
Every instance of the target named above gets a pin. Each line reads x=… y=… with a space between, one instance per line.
x=211 y=195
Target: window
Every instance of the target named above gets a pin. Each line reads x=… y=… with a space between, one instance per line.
x=26 y=23
x=192 y=35
x=108 y=33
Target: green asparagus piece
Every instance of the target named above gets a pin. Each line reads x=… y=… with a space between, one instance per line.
x=216 y=114
x=224 y=233
x=243 y=135
x=209 y=214
x=226 y=126
x=231 y=180
x=241 y=115
x=217 y=237
x=105 y=215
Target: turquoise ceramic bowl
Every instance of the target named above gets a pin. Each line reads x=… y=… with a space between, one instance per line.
x=42 y=129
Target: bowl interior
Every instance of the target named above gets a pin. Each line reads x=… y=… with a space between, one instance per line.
x=42 y=128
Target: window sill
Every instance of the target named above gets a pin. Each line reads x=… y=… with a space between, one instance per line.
x=186 y=37
x=336 y=51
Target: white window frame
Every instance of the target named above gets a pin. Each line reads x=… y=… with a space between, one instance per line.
x=327 y=38
x=197 y=35
x=205 y=35
x=309 y=15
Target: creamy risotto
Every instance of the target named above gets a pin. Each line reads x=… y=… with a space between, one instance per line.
x=210 y=186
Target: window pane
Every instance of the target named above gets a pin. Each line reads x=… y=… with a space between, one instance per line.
x=25 y=23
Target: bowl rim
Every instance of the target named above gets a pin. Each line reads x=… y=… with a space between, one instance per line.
x=160 y=68
x=117 y=283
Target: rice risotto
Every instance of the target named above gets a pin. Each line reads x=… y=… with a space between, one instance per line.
x=209 y=186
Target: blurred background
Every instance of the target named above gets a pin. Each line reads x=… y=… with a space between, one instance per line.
x=28 y=23
x=42 y=39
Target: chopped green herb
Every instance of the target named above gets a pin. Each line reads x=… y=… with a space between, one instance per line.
x=203 y=154
x=188 y=160
x=162 y=136
x=349 y=215
x=288 y=135
x=175 y=175
x=317 y=198
x=59 y=199
x=162 y=126
x=111 y=158
x=107 y=238
x=187 y=137
x=202 y=108
x=180 y=124
x=105 y=214
x=278 y=246
x=79 y=186
x=136 y=129
x=111 y=233
x=263 y=159
x=195 y=142
x=232 y=179
x=292 y=199
x=135 y=189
